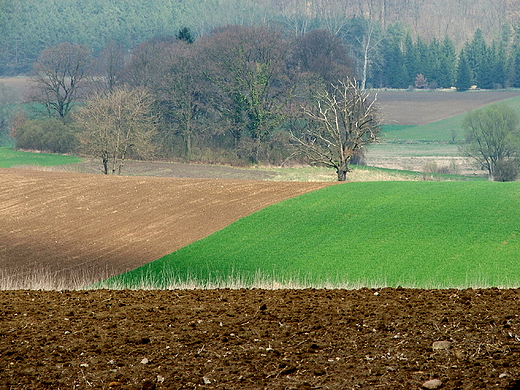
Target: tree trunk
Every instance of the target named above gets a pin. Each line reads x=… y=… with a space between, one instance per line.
x=105 y=165
x=342 y=174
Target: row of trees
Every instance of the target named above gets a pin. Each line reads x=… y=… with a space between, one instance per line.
x=240 y=94
x=237 y=95
x=404 y=62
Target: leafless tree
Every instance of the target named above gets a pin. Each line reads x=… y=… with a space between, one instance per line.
x=181 y=95
x=108 y=67
x=60 y=74
x=341 y=122
x=116 y=124
x=324 y=54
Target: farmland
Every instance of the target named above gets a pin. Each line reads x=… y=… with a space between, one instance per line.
x=415 y=234
x=62 y=230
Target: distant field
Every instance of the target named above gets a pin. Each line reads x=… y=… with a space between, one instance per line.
x=12 y=158
x=446 y=130
x=424 y=127
x=416 y=234
x=400 y=107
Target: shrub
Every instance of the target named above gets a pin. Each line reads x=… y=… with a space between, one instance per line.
x=48 y=135
x=506 y=170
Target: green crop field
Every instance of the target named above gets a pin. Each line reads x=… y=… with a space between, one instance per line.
x=413 y=234
x=11 y=158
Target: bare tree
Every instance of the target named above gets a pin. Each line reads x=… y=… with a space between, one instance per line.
x=181 y=94
x=115 y=125
x=369 y=42
x=341 y=123
x=108 y=66
x=59 y=76
x=323 y=54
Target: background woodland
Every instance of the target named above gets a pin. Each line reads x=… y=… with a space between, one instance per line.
x=226 y=80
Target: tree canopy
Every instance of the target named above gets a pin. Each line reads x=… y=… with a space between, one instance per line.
x=493 y=139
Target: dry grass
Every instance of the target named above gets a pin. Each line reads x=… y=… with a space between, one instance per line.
x=48 y=280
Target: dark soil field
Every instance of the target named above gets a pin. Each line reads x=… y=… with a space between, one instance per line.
x=257 y=339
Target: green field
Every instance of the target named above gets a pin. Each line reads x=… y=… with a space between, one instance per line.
x=12 y=158
x=413 y=234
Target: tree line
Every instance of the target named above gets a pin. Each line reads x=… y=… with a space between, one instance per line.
x=238 y=95
x=404 y=62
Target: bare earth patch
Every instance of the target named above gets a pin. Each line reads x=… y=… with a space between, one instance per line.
x=95 y=226
x=257 y=339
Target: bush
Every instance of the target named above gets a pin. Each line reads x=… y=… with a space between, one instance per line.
x=506 y=170
x=47 y=135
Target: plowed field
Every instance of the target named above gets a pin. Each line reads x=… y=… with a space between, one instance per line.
x=83 y=226
x=255 y=339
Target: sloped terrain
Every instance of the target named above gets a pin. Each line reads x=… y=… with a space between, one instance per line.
x=90 y=227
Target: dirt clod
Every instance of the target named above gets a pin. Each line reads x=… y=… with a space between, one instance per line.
x=432 y=384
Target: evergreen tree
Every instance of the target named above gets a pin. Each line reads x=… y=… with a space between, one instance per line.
x=184 y=34
x=447 y=64
x=395 y=68
x=411 y=57
x=514 y=67
x=434 y=61
x=476 y=53
x=423 y=58
x=463 y=81
x=492 y=69
x=500 y=65
x=395 y=72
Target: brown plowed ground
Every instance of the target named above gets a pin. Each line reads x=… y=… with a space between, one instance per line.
x=92 y=226
x=257 y=339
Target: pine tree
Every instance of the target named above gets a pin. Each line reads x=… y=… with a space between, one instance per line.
x=448 y=64
x=435 y=59
x=476 y=55
x=395 y=67
x=463 y=81
x=184 y=34
x=411 y=58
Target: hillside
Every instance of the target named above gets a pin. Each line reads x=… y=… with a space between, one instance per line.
x=67 y=228
x=411 y=234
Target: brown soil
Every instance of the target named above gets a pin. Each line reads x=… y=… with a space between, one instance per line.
x=257 y=339
x=93 y=226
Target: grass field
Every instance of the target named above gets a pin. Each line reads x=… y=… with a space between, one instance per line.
x=414 y=234
x=13 y=158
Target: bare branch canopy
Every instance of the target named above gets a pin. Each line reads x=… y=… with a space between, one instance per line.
x=341 y=122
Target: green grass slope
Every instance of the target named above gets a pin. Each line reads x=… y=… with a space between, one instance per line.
x=444 y=130
x=10 y=158
x=414 y=234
